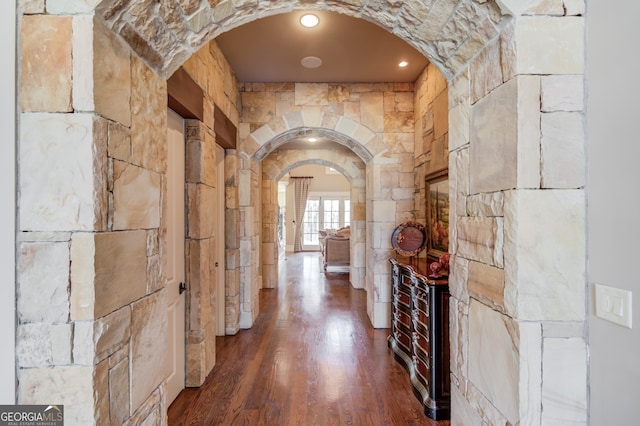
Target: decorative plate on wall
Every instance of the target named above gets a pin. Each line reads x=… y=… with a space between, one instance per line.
x=409 y=239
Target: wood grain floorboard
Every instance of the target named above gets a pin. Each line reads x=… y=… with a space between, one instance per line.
x=311 y=358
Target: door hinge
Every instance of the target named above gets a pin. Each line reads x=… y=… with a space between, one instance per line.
x=182 y=288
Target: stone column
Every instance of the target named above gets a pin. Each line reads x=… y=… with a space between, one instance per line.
x=270 y=233
x=232 y=243
x=200 y=242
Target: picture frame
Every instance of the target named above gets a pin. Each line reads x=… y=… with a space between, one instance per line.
x=437 y=218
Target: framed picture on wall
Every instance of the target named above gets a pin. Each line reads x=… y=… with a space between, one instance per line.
x=437 y=196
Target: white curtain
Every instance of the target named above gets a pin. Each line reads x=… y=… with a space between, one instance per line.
x=301 y=192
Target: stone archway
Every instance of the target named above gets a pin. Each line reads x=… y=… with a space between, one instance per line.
x=518 y=213
x=280 y=162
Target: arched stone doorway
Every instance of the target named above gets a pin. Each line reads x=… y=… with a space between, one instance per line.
x=507 y=172
x=278 y=163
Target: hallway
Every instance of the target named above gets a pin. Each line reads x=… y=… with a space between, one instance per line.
x=311 y=358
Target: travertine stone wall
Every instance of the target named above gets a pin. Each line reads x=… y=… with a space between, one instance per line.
x=376 y=122
x=519 y=352
x=211 y=71
x=93 y=165
x=280 y=162
x=200 y=251
x=94 y=155
x=431 y=144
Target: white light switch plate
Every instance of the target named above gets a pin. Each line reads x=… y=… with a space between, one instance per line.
x=613 y=304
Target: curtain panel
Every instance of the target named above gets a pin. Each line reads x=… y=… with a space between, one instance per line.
x=301 y=193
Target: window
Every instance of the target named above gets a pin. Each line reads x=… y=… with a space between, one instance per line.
x=311 y=222
x=331 y=213
x=324 y=211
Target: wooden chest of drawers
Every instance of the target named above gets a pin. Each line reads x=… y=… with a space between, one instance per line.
x=420 y=333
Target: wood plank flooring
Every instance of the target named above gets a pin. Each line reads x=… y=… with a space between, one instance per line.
x=311 y=358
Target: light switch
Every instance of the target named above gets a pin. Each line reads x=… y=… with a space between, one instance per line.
x=613 y=304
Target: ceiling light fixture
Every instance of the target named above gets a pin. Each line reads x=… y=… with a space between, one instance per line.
x=312 y=140
x=403 y=64
x=311 y=62
x=309 y=20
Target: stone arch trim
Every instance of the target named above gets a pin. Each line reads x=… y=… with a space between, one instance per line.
x=448 y=32
x=279 y=163
x=365 y=143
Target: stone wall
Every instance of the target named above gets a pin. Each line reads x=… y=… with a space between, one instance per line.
x=93 y=146
x=431 y=149
x=516 y=168
x=210 y=70
x=92 y=301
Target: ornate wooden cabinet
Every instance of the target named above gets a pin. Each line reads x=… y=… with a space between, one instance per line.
x=420 y=333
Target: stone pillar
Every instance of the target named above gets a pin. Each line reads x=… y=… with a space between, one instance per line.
x=201 y=196
x=270 y=233
x=517 y=234
x=232 y=243
x=92 y=305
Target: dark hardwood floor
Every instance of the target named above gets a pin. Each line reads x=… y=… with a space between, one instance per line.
x=311 y=358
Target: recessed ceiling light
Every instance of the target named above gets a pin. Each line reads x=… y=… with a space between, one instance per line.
x=309 y=20
x=311 y=62
x=403 y=64
x=312 y=140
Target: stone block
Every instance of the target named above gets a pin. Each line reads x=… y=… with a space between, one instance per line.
x=459 y=278
x=69 y=386
x=202 y=212
x=563 y=150
x=564 y=378
x=574 y=7
x=34 y=345
x=108 y=271
x=505 y=137
x=148 y=118
x=545 y=7
x=459 y=129
x=494 y=360
x=258 y=107
x=148 y=346
x=481 y=239
x=462 y=413
x=372 y=111
x=440 y=114
x=562 y=93
x=101 y=70
x=545 y=254
x=401 y=122
x=46 y=63
x=43 y=282
x=31 y=7
x=119 y=391
x=136 y=197
x=112 y=332
x=61 y=343
x=485 y=72
x=486 y=284
x=198 y=279
x=307 y=94
x=65 y=189
x=384 y=211
x=195 y=360
x=485 y=205
x=118 y=142
x=550 y=45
